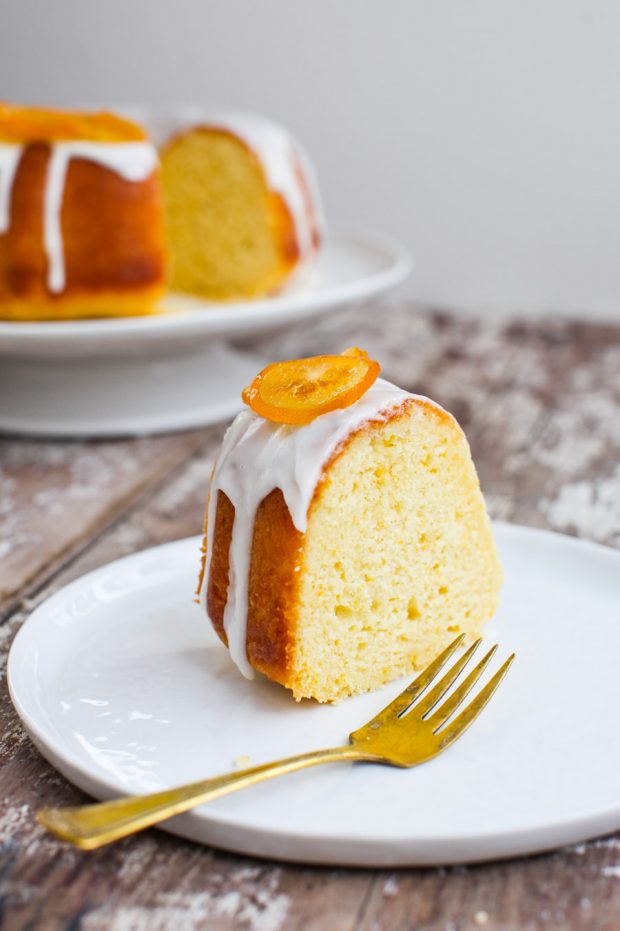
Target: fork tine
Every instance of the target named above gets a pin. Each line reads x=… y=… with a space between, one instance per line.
x=458 y=696
x=460 y=724
x=421 y=682
x=429 y=701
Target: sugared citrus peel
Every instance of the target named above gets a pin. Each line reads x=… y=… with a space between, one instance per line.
x=297 y=391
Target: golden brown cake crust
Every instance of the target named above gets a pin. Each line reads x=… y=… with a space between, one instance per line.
x=113 y=243
x=217 y=583
x=276 y=547
x=277 y=552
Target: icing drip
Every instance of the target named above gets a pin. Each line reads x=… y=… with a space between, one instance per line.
x=133 y=161
x=9 y=161
x=280 y=158
x=258 y=456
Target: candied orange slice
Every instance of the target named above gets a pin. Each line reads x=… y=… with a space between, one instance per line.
x=297 y=391
x=36 y=124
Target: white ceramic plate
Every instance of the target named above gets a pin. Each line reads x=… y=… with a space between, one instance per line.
x=123 y=686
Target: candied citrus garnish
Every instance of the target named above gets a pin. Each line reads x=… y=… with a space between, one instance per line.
x=36 y=124
x=297 y=391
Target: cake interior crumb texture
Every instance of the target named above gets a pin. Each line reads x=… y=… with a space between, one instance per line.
x=228 y=235
x=398 y=558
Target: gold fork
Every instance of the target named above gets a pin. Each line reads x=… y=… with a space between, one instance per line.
x=405 y=733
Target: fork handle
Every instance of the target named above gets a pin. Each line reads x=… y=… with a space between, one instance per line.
x=91 y=826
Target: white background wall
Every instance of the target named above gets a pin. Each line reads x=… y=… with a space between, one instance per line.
x=484 y=133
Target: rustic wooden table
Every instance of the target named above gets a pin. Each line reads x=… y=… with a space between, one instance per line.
x=540 y=403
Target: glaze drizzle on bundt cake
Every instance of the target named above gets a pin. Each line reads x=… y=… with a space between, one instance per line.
x=343 y=552
x=80 y=215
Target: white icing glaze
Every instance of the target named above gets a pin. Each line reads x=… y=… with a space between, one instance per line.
x=258 y=456
x=133 y=161
x=10 y=155
x=279 y=155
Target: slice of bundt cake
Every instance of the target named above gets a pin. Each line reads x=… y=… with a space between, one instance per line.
x=241 y=205
x=345 y=550
x=81 y=221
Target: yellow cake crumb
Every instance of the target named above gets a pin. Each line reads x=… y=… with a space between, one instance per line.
x=228 y=235
x=398 y=559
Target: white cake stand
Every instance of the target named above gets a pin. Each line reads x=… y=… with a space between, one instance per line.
x=141 y=375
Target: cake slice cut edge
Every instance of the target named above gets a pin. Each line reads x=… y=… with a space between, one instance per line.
x=242 y=211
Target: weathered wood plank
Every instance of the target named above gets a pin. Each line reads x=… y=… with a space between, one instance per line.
x=572 y=889
x=55 y=496
x=540 y=404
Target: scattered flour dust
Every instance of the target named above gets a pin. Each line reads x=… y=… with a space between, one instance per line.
x=19 y=824
x=13 y=819
x=262 y=911
x=390 y=887
x=611 y=843
x=591 y=508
